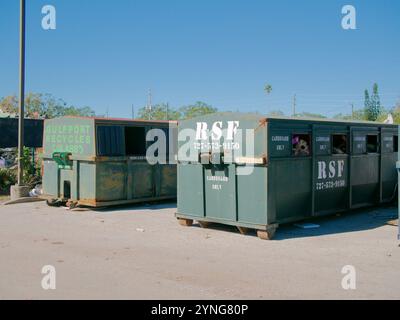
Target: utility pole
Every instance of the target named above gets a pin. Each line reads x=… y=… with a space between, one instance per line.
x=166 y=111
x=149 y=103
x=19 y=190
x=294 y=105
x=21 y=92
x=352 y=111
x=133 y=111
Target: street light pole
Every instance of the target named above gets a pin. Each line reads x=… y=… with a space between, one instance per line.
x=21 y=92
x=19 y=191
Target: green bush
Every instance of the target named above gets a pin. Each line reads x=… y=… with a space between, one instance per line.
x=8 y=177
x=31 y=176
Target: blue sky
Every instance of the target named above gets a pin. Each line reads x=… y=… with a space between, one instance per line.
x=107 y=54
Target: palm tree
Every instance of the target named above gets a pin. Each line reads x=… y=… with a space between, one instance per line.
x=268 y=90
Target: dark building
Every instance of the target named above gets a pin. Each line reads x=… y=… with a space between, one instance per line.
x=33 y=135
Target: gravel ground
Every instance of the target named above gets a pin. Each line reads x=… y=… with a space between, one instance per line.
x=142 y=253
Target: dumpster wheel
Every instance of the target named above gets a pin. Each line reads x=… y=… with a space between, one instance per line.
x=204 y=224
x=72 y=204
x=54 y=202
x=243 y=230
x=267 y=234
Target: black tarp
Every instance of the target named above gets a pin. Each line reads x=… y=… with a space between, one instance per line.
x=33 y=135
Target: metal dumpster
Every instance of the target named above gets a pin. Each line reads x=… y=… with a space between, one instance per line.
x=100 y=162
x=254 y=172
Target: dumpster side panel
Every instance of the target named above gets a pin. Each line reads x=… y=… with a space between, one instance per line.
x=50 y=179
x=365 y=180
x=252 y=197
x=289 y=188
x=167 y=180
x=220 y=192
x=111 y=181
x=190 y=189
x=332 y=186
x=87 y=180
x=142 y=180
x=389 y=176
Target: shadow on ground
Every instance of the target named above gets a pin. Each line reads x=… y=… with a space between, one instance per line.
x=154 y=206
x=358 y=220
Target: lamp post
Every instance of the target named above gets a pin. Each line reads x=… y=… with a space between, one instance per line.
x=20 y=191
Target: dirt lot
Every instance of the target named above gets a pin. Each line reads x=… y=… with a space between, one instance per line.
x=142 y=253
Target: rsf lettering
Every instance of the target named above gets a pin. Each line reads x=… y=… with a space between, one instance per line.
x=202 y=132
x=331 y=170
x=331 y=175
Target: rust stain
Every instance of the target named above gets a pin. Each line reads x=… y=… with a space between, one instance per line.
x=262 y=123
x=88 y=202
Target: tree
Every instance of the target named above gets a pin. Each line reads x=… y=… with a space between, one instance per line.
x=358 y=115
x=198 y=109
x=9 y=105
x=395 y=111
x=372 y=104
x=268 y=89
x=275 y=113
x=39 y=105
x=163 y=112
x=160 y=111
x=310 y=115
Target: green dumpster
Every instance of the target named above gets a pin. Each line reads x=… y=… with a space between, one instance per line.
x=100 y=162
x=254 y=172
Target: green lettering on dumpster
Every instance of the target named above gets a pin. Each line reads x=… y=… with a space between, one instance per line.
x=74 y=139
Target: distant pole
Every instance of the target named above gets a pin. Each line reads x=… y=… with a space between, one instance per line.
x=352 y=111
x=150 y=107
x=294 y=105
x=21 y=92
x=133 y=111
x=166 y=111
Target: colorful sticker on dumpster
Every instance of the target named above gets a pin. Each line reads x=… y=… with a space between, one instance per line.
x=68 y=138
x=331 y=174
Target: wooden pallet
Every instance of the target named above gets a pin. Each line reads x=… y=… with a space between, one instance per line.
x=393 y=222
x=262 y=234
